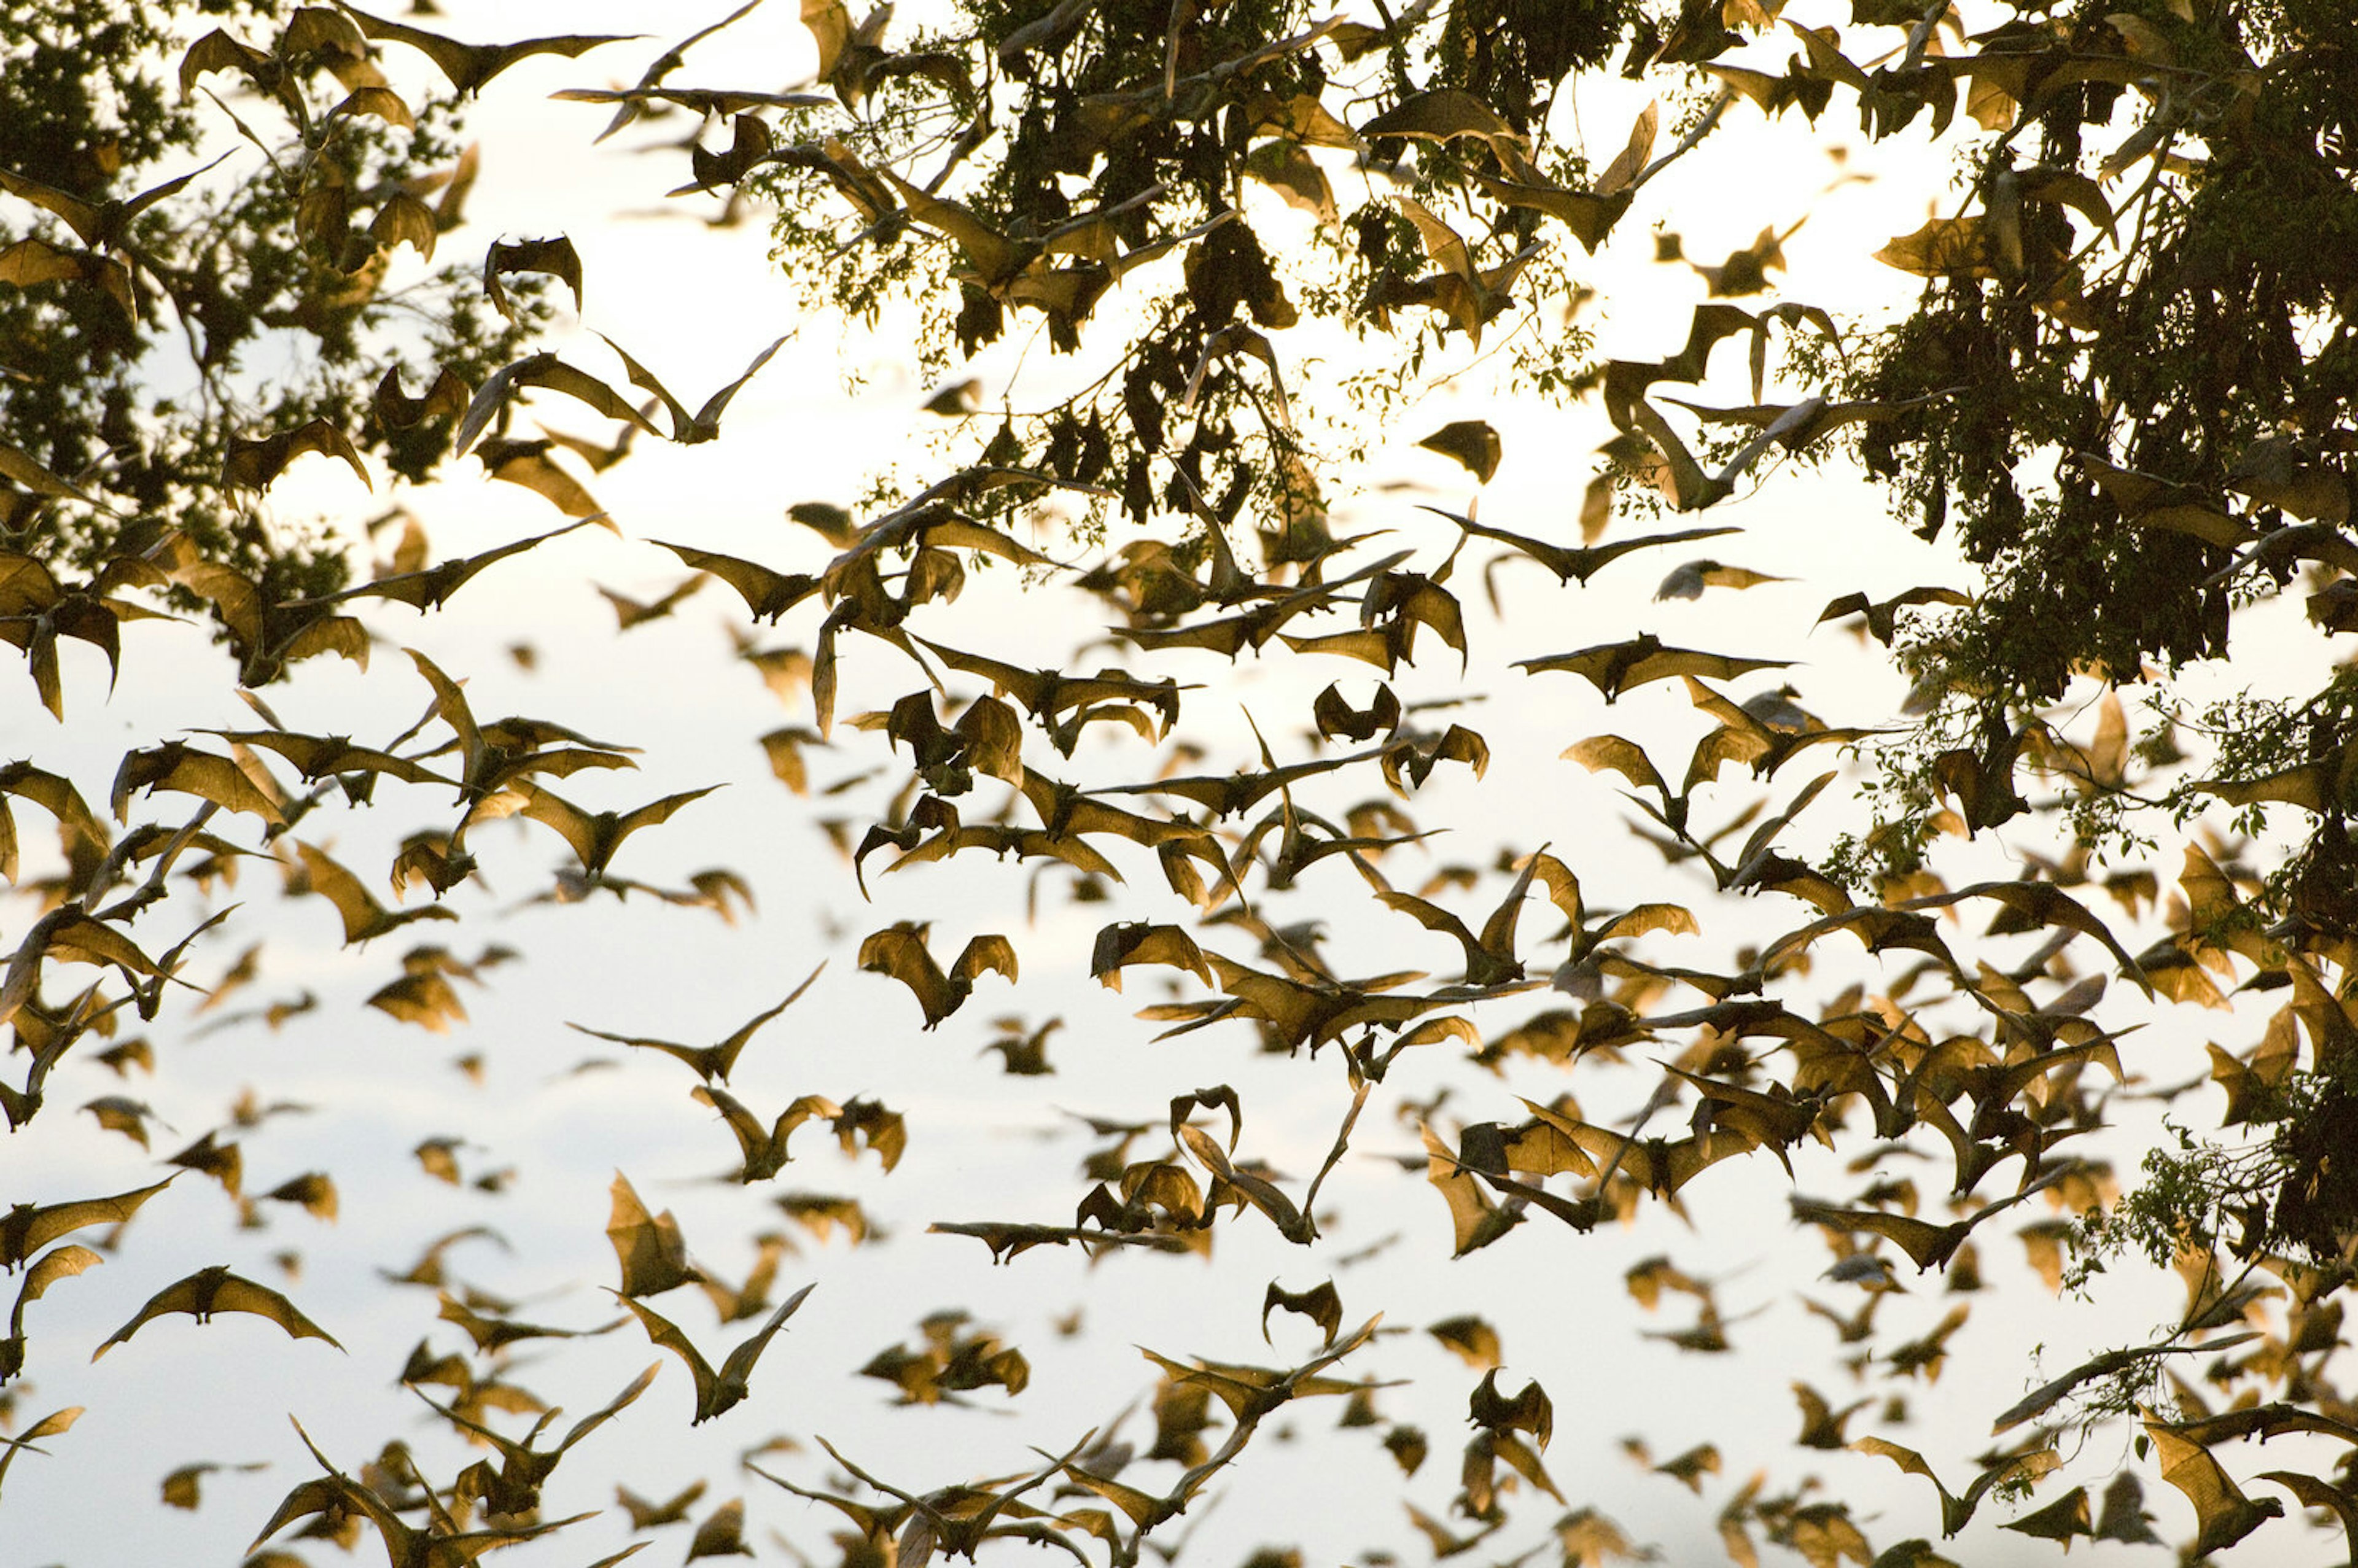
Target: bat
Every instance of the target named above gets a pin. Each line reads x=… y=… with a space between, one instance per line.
x=175 y=767
x=1045 y=693
x=1575 y=564
x=632 y=612
x=63 y=1263
x=704 y=425
x=27 y=1228
x=338 y=1496
x=513 y=1487
x=646 y=1515
x=2224 y=1514
x=214 y=1290
x=493 y=1333
x=767 y=594
x=595 y=837
x=2014 y=1471
x=714 y=1392
x=427 y=590
x=98 y=224
x=256 y=464
x=1615 y=667
x=721 y=1533
x=711 y=1062
x=314 y=1190
x=899 y=952
x=364 y=918
x=49 y=1425
x=653 y=1253
x=764 y=1149
x=469 y=66
x=1882 y=616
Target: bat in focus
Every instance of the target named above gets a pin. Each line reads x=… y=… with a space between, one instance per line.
x=216 y=1289
x=714 y=1392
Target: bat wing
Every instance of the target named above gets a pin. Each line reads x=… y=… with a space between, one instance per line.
x=44 y=1226
x=591 y=1423
x=725 y=1054
x=739 y=1367
x=665 y=1334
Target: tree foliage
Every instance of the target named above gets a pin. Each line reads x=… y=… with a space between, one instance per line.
x=1245 y=240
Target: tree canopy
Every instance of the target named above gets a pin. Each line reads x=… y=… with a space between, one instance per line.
x=1136 y=663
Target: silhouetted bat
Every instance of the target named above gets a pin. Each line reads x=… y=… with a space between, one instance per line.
x=469 y=66
x=427 y=590
x=596 y=836
x=213 y=1290
x=317 y=757
x=764 y=1149
x=364 y=918
x=541 y=370
x=710 y=1062
x=61 y=1263
x=898 y=951
x=714 y=1392
x=646 y=1515
x=98 y=224
x=767 y=594
x=1615 y=667
x=27 y=1228
x=175 y=767
x=513 y=1487
x=1928 y=1244
x=704 y=425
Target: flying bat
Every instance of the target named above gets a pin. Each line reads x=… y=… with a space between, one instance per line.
x=427 y=590
x=900 y=952
x=764 y=1149
x=1569 y=564
x=97 y=224
x=1615 y=667
x=27 y=1228
x=469 y=66
x=710 y=1062
x=213 y=1290
x=714 y=1392
x=364 y=918
x=767 y=594
x=704 y=425
x=1928 y=1244
x=596 y=836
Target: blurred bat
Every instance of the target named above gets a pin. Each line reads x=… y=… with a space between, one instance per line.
x=629 y=612
x=710 y=1062
x=714 y=1392
x=650 y=1247
x=213 y=1290
x=646 y=1515
x=469 y=66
